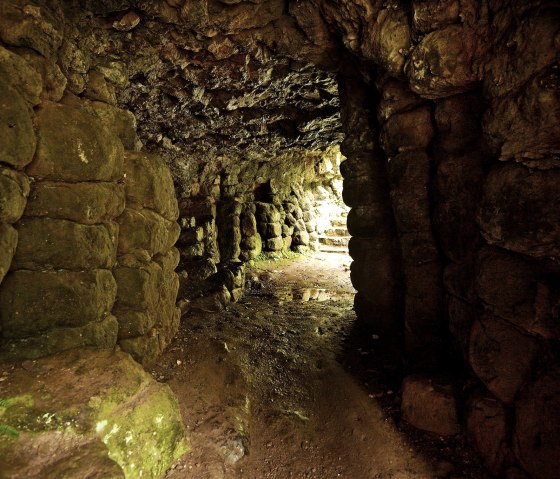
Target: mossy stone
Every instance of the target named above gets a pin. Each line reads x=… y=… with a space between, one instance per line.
x=146 y=230
x=73 y=299
x=8 y=244
x=149 y=184
x=122 y=122
x=40 y=29
x=99 y=334
x=86 y=203
x=60 y=244
x=134 y=323
x=74 y=145
x=20 y=75
x=14 y=190
x=81 y=397
x=17 y=138
x=145 y=349
x=138 y=288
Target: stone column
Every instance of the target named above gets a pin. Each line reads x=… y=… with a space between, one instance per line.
x=146 y=278
x=375 y=272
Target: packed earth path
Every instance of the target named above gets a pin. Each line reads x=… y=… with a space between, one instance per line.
x=275 y=387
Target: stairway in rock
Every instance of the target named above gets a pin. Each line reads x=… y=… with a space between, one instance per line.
x=334 y=237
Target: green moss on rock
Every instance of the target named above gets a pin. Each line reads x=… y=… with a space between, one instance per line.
x=99 y=405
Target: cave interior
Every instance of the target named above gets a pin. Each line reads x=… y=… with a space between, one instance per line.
x=152 y=151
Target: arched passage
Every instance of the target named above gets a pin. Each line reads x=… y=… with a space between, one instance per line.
x=448 y=117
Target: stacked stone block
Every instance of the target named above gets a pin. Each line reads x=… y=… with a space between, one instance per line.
x=198 y=240
x=251 y=241
x=373 y=247
x=228 y=223
x=269 y=226
x=405 y=137
x=147 y=284
x=60 y=290
x=474 y=174
x=302 y=220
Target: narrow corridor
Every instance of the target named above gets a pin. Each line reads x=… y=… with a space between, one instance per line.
x=267 y=388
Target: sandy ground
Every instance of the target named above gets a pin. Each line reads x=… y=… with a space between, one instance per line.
x=277 y=387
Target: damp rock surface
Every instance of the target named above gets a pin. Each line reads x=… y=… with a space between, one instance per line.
x=90 y=414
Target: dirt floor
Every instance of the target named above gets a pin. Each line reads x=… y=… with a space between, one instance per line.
x=278 y=387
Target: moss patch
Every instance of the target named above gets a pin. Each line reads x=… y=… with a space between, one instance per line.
x=91 y=397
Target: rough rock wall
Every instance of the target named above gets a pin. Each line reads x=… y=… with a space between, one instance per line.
x=147 y=284
x=451 y=117
x=77 y=268
x=242 y=217
x=375 y=271
x=467 y=111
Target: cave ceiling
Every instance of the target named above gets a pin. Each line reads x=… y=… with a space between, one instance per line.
x=215 y=83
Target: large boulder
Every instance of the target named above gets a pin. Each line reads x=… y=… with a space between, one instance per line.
x=501 y=356
x=20 y=75
x=537 y=429
x=512 y=195
x=74 y=145
x=73 y=299
x=89 y=412
x=14 y=190
x=38 y=26
x=429 y=15
x=387 y=40
x=430 y=404
x=8 y=244
x=17 y=138
x=488 y=430
x=100 y=334
x=61 y=244
x=86 y=203
x=148 y=183
x=146 y=230
x=410 y=130
x=442 y=64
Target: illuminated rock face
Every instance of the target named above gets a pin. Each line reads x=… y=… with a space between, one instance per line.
x=447 y=114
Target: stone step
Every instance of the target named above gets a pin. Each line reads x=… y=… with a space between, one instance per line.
x=333 y=249
x=338 y=222
x=334 y=240
x=340 y=231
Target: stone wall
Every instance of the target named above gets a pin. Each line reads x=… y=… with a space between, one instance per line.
x=450 y=111
x=465 y=122
x=236 y=222
x=86 y=227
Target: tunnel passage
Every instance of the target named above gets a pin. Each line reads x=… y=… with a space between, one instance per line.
x=122 y=121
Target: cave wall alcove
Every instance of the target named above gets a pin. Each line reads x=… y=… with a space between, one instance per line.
x=143 y=138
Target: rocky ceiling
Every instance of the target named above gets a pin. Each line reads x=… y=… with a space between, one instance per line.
x=213 y=83
x=228 y=80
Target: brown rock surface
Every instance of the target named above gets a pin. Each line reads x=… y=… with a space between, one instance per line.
x=512 y=195
x=430 y=405
x=74 y=145
x=443 y=63
x=488 y=429
x=501 y=356
x=538 y=425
